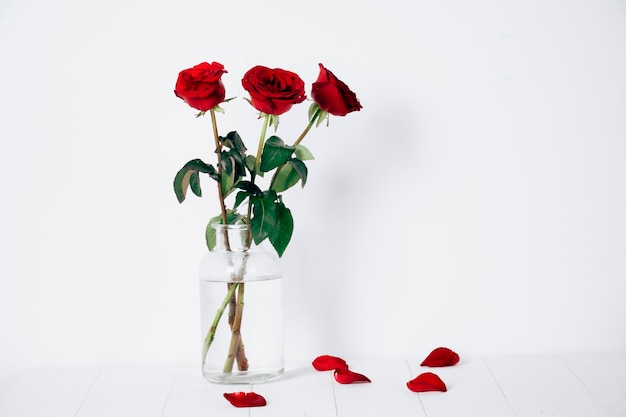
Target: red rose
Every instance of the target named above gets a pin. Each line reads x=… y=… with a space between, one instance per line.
x=201 y=86
x=273 y=91
x=333 y=95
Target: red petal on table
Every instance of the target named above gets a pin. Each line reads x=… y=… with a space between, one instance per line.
x=441 y=356
x=245 y=399
x=345 y=376
x=329 y=363
x=426 y=382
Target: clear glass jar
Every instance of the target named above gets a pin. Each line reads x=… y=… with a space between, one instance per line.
x=241 y=310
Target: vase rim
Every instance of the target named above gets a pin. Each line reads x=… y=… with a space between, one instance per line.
x=239 y=226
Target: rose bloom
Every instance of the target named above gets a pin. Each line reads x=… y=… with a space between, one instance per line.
x=333 y=95
x=201 y=86
x=273 y=91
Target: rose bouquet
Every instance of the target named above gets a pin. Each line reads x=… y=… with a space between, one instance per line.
x=260 y=209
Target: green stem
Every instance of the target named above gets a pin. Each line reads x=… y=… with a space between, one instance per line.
x=230 y=295
x=257 y=166
x=306 y=130
x=218 y=147
x=257 y=161
x=210 y=336
x=236 y=347
x=235 y=339
x=308 y=127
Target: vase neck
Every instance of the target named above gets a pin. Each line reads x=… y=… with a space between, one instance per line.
x=233 y=237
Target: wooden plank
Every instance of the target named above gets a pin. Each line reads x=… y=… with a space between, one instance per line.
x=129 y=392
x=54 y=392
x=193 y=396
x=472 y=390
x=604 y=375
x=386 y=393
x=540 y=385
x=301 y=391
x=502 y=386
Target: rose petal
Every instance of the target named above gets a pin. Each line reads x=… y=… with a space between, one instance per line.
x=201 y=87
x=426 y=382
x=273 y=90
x=245 y=399
x=345 y=376
x=329 y=363
x=441 y=356
x=333 y=95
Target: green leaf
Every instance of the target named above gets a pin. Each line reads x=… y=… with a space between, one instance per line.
x=227 y=183
x=233 y=169
x=249 y=187
x=283 y=230
x=274 y=119
x=249 y=190
x=236 y=162
x=264 y=216
x=234 y=141
x=288 y=175
x=301 y=169
x=181 y=184
x=284 y=178
x=275 y=153
x=232 y=163
x=210 y=233
x=303 y=154
x=183 y=179
x=313 y=108
x=249 y=162
x=323 y=116
x=232 y=217
x=240 y=198
x=194 y=183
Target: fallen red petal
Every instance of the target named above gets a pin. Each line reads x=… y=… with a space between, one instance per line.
x=426 y=382
x=441 y=356
x=345 y=376
x=245 y=399
x=329 y=363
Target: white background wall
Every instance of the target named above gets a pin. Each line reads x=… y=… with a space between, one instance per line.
x=477 y=201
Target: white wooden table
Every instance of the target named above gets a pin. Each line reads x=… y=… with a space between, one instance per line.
x=585 y=385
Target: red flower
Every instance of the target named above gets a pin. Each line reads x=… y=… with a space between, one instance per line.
x=426 y=382
x=245 y=399
x=333 y=95
x=329 y=363
x=201 y=86
x=273 y=91
x=441 y=356
x=345 y=376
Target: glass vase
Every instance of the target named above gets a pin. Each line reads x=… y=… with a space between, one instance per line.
x=241 y=309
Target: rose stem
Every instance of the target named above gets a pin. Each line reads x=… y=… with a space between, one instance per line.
x=255 y=171
x=308 y=127
x=231 y=287
x=235 y=339
x=235 y=342
x=297 y=142
x=218 y=150
x=208 y=340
